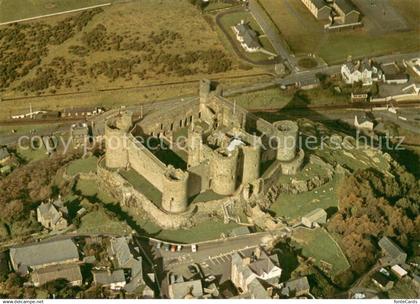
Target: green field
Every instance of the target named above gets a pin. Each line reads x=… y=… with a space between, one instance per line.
x=305 y=34
x=276 y=98
x=82 y=166
x=205 y=231
x=318 y=244
x=142 y=185
x=98 y=222
x=11 y=10
x=294 y=206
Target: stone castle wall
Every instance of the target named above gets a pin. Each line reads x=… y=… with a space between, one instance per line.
x=137 y=204
x=145 y=163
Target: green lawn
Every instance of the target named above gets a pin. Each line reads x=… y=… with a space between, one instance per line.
x=11 y=10
x=294 y=206
x=142 y=185
x=82 y=166
x=264 y=99
x=205 y=231
x=90 y=188
x=98 y=222
x=319 y=245
x=274 y=98
x=29 y=154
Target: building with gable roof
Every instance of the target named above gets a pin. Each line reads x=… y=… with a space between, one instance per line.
x=39 y=255
x=50 y=217
x=393 y=254
x=247 y=37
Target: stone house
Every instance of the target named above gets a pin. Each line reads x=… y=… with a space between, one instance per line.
x=178 y=288
x=114 y=280
x=318 y=8
x=347 y=13
x=296 y=288
x=252 y=269
x=79 y=133
x=4 y=155
x=50 y=217
x=70 y=273
x=247 y=37
x=315 y=217
x=363 y=122
x=39 y=255
x=383 y=281
x=364 y=71
x=393 y=254
x=122 y=257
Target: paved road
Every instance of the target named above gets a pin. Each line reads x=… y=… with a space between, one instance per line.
x=310 y=74
x=216 y=248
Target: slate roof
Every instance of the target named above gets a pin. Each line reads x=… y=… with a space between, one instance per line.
x=298 y=285
x=183 y=289
x=248 y=34
x=48 y=212
x=262 y=266
x=107 y=277
x=315 y=214
x=4 y=153
x=390 y=248
x=346 y=6
x=119 y=248
x=381 y=278
x=70 y=273
x=38 y=254
x=319 y=3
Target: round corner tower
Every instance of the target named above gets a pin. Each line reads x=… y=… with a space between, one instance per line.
x=223 y=171
x=116 y=129
x=175 y=190
x=251 y=161
x=286 y=132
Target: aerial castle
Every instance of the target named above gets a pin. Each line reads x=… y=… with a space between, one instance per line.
x=205 y=146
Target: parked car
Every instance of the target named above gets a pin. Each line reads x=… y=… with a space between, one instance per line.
x=158 y=245
x=193 y=248
x=179 y=248
x=173 y=248
x=192 y=269
x=166 y=247
x=210 y=278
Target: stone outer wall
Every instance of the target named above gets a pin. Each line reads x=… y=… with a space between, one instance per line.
x=137 y=204
x=145 y=163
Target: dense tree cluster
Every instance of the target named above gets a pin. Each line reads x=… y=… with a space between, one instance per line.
x=22 y=46
x=373 y=205
x=57 y=74
x=26 y=185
